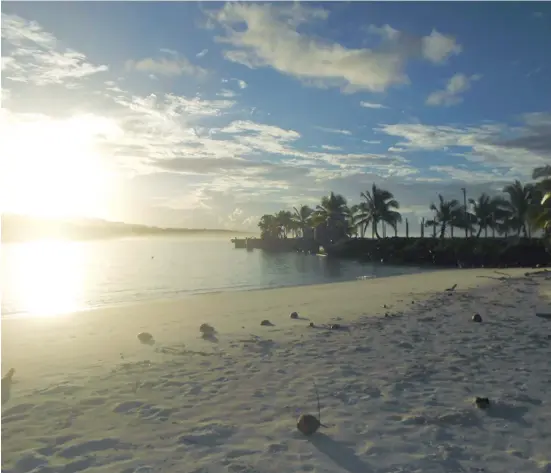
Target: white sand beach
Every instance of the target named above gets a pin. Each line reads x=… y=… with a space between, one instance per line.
x=396 y=392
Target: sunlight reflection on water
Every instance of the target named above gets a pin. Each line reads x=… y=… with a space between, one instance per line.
x=48 y=279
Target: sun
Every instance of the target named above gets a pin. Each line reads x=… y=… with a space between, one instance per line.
x=54 y=168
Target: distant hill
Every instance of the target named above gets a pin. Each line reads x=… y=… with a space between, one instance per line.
x=26 y=228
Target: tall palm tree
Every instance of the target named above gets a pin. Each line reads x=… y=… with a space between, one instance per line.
x=357 y=218
x=447 y=213
x=302 y=218
x=285 y=220
x=269 y=226
x=333 y=211
x=519 y=206
x=380 y=206
x=487 y=212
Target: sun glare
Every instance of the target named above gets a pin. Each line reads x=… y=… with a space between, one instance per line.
x=54 y=168
x=49 y=279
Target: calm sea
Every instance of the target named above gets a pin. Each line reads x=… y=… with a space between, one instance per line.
x=49 y=277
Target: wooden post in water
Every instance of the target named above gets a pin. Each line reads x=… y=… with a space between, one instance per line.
x=407 y=228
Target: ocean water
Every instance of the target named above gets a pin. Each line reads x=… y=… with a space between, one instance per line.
x=52 y=277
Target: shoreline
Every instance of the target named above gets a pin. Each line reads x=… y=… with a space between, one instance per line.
x=99 y=336
x=181 y=296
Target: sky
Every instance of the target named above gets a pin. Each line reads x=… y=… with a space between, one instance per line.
x=209 y=115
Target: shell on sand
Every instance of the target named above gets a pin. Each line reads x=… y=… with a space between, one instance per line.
x=477 y=318
x=482 y=402
x=294 y=315
x=207 y=329
x=308 y=424
x=145 y=337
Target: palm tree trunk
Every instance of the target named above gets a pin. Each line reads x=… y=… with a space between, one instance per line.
x=375 y=225
x=443 y=230
x=479 y=231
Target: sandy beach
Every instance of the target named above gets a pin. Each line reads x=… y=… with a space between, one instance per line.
x=396 y=392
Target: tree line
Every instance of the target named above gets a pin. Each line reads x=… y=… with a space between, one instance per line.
x=520 y=210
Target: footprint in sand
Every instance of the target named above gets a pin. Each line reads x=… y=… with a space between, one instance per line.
x=208 y=436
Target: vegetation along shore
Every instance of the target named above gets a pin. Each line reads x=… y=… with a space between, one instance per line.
x=510 y=229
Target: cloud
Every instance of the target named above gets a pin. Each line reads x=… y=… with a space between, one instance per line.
x=372 y=105
x=331 y=148
x=32 y=55
x=271 y=39
x=535 y=137
x=524 y=148
x=202 y=53
x=227 y=93
x=335 y=130
x=437 y=47
x=170 y=67
x=451 y=95
x=240 y=83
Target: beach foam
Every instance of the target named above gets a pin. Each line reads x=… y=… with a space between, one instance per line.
x=396 y=391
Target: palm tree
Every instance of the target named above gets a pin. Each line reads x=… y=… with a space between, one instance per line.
x=333 y=212
x=448 y=213
x=542 y=171
x=380 y=206
x=302 y=218
x=285 y=221
x=519 y=206
x=487 y=212
x=357 y=217
x=269 y=226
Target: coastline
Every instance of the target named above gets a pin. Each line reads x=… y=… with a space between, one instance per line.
x=396 y=392
x=180 y=296
x=114 y=328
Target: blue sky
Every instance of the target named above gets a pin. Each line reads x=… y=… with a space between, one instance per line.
x=212 y=114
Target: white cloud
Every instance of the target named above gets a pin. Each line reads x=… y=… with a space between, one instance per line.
x=483 y=144
x=36 y=57
x=372 y=142
x=227 y=93
x=335 y=130
x=202 y=53
x=176 y=65
x=386 y=31
x=331 y=148
x=451 y=95
x=438 y=47
x=271 y=39
x=240 y=83
x=372 y=105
